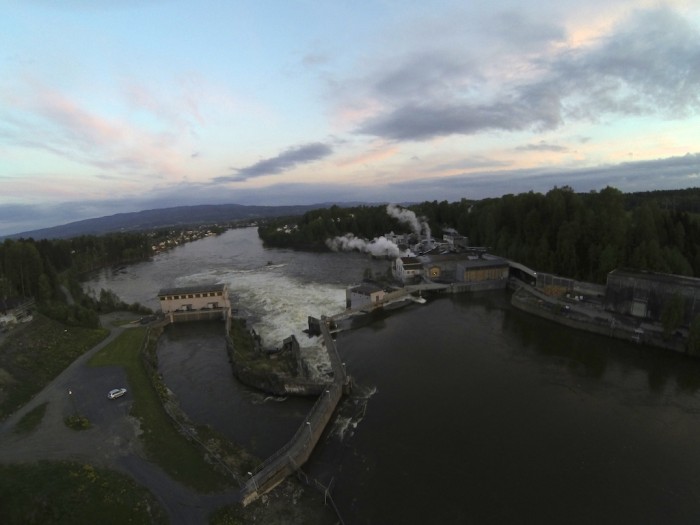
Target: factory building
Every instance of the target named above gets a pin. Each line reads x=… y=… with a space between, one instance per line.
x=645 y=294
x=461 y=268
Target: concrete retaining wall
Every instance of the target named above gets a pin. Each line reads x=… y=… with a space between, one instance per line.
x=214 y=314
x=299 y=448
x=602 y=323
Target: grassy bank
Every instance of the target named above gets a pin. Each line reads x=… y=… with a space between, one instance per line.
x=71 y=493
x=290 y=502
x=31 y=419
x=179 y=457
x=33 y=355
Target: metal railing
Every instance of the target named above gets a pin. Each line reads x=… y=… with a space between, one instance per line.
x=298 y=449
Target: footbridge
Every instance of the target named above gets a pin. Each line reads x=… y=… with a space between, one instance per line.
x=298 y=449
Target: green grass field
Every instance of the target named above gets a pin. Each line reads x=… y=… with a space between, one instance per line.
x=31 y=419
x=70 y=493
x=34 y=354
x=182 y=459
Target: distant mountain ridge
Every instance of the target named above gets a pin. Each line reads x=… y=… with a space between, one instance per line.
x=166 y=217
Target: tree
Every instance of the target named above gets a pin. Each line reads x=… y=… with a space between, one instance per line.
x=694 y=336
x=23 y=266
x=672 y=314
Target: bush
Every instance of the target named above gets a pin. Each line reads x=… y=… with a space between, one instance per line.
x=77 y=422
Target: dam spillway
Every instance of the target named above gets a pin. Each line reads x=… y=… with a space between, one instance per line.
x=298 y=449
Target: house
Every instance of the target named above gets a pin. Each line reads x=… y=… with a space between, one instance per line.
x=195 y=298
x=15 y=310
x=407 y=268
x=363 y=295
x=645 y=294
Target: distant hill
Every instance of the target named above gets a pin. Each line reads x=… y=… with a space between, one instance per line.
x=166 y=217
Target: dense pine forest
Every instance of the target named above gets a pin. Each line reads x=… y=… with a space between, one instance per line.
x=49 y=270
x=577 y=235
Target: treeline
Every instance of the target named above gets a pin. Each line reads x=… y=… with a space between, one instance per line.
x=582 y=235
x=311 y=230
x=32 y=268
x=577 y=235
x=48 y=271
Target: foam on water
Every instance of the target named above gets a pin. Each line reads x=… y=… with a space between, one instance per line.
x=279 y=304
x=352 y=412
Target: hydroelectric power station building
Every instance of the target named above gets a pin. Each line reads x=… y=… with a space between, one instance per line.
x=195 y=303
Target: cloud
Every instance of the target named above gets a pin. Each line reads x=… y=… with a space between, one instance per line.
x=524 y=33
x=470 y=163
x=425 y=74
x=374 y=154
x=543 y=146
x=315 y=60
x=423 y=122
x=286 y=160
x=42 y=118
x=649 y=64
x=665 y=173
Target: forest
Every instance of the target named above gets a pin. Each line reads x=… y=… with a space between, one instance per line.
x=578 y=235
x=48 y=270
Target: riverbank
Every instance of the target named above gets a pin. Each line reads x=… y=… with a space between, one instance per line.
x=590 y=316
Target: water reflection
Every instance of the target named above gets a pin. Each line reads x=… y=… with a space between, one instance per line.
x=194 y=363
x=590 y=355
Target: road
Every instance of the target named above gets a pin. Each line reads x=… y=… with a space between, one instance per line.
x=112 y=441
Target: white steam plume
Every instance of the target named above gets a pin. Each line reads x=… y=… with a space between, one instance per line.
x=380 y=247
x=410 y=218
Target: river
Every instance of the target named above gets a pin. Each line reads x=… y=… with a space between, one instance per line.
x=465 y=410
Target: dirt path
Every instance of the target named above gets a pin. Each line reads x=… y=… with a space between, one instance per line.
x=112 y=441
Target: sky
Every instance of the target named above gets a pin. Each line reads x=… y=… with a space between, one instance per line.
x=125 y=105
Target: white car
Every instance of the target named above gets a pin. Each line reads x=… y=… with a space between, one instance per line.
x=117 y=392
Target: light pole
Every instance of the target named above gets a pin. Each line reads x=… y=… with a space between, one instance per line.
x=308 y=425
x=255 y=483
x=72 y=401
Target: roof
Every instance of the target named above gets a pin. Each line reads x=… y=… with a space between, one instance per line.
x=667 y=278
x=211 y=287
x=366 y=289
x=12 y=303
x=461 y=258
x=484 y=263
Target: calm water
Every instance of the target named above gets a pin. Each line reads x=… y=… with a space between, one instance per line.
x=464 y=411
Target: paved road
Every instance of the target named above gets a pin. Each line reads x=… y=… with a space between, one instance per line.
x=112 y=442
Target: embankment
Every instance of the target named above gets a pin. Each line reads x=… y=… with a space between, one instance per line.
x=593 y=319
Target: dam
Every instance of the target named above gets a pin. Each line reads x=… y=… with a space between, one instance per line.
x=298 y=449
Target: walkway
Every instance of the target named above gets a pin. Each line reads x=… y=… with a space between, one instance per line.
x=298 y=449
x=113 y=441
